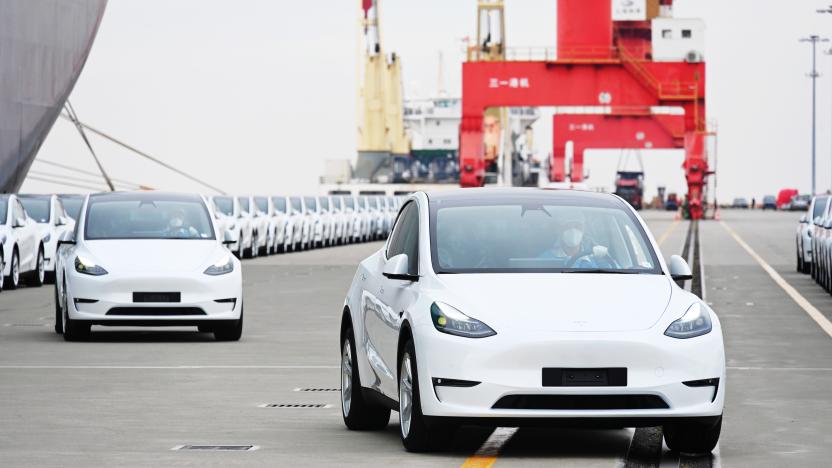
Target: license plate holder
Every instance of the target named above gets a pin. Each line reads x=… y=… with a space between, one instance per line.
x=157 y=297
x=585 y=377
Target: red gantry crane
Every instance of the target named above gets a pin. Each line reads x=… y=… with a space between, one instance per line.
x=625 y=57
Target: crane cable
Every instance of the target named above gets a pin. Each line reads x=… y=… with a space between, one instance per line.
x=143 y=154
x=73 y=117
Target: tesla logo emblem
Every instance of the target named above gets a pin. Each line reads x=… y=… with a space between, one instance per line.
x=580 y=323
x=604 y=97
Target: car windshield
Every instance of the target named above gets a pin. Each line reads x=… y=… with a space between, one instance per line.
x=296 y=203
x=820 y=207
x=310 y=204
x=538 y=235
x=4 y=208
x=225 y=205
x=244 y=204
x=350 y=202
x=72 y=206
x=147 y=218
x=38 y=208
x=324 y=202
x=279 y=204
x=262 y=204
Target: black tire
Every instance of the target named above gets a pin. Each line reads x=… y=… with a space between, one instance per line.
x=359 y=414
x=799 y=261
x=230 y=330
x=421 y=436
x=13 y=280
x=38 y=275
x=693 y=435
x=59 y=313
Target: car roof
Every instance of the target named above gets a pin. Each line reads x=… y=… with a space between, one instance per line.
x=497 y=194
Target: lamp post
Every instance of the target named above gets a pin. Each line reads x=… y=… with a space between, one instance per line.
x=814 y=39
x=827 y=52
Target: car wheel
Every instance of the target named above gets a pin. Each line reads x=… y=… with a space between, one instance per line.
x=14 y=271
x=358 y=413
x=799 y=261
x=59 y=313
x=230 y=330
x=693 y=435
x=37 y=277
x=417 y=435
x=73 y=331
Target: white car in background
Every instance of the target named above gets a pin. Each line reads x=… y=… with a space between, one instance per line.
x=53 y=222
x=336 y=202
x=368 y=220
x=72 y=204
x=328 y=219
x=803 y=236
x=259 y=225
x=283 y=223
x=268 y=220
x=302 y=228
x=23 y=251
x=454 y=322
x=313 y=215
x=356 y=221
x=229 y=207
x=148 y=259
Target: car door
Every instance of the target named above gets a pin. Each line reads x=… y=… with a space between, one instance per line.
x=26 y=236
x=385 y=300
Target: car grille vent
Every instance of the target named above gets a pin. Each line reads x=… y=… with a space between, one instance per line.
x=580 y=402
x=317 y=389
x=296 y=405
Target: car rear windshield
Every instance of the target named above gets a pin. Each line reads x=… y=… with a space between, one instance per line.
x=145 y=218
x=38 y=208
x=538 y=235
x=820 y=207
x=279 y=204
x=225 y=205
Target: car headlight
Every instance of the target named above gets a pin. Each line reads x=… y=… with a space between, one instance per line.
x=221 y=267
x=695 y=322
x=88 y=267
x=449 y=320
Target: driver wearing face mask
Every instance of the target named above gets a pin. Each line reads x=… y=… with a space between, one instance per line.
x=572 y=247
x=177 y=227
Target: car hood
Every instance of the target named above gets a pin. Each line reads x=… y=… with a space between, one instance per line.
x=560 y=301
x=154 y=255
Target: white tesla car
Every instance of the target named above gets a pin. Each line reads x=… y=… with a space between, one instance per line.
x=23 y=252
x=523 y=307
x=230 y=207
x=53 y=222
x=148 y=259
x=302 y=226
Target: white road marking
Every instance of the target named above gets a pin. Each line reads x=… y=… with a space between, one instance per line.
x=490 y=449
x=807 y=306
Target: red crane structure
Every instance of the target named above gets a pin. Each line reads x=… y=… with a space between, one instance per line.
x=626 y=60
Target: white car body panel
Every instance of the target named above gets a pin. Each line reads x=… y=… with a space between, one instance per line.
x=26 y=238
x=52 y=229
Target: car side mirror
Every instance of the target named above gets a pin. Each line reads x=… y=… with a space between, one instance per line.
x=61 y=221
x=19 y=222
x=68 y=241
x=803 y=219
x=679 y=269
x=228 y=238
x=817 y=220
x=397 y=268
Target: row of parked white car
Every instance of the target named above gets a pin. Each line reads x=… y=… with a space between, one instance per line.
x=814 y=241
x=275 y=224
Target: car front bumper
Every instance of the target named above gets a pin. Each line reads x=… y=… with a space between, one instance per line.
x=656 y=366
x=202 y=299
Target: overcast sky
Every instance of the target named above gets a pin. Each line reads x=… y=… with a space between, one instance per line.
x=254 y=95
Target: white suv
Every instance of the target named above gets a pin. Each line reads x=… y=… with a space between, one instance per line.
x=23 y=252
x=53 y=222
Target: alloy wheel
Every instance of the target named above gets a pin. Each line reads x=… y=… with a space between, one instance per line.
x=346 y=378
x=41 y=269
x=15 y=270
x=405 y=395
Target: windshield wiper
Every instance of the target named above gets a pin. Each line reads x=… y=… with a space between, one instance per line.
x=603 y=270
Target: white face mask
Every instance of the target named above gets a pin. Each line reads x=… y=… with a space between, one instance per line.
x=176 y=222
x=572 y=237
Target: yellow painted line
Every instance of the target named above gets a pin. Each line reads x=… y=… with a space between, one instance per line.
x=807 y=306
x=667 y=232
x=487 y=454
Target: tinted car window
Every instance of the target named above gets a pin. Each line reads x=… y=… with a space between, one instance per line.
x=225 y=205
x=262 y=204
x=279 y=204
x=4 y=208
x=73 y=206
x=310 y=204
x=244 y=205
x=147 y=219
x=324 y=203
x=405 y=237
x=350 y=202
x=820 y=207
x=295 y=203
x=38 y=208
